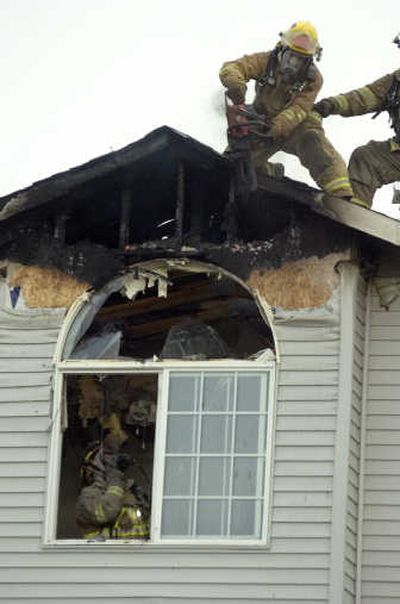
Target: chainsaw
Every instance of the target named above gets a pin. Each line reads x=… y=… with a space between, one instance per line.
x=244 y=126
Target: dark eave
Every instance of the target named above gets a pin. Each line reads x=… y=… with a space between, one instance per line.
x=162 y=145
x=339 y=210
x=61 y=184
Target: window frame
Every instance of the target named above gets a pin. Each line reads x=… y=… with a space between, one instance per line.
x=162 y=369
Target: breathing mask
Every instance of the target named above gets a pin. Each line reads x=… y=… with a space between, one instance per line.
x=293 y=65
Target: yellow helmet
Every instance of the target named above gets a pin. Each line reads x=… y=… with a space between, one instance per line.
x=301 y=37
x=92 y=464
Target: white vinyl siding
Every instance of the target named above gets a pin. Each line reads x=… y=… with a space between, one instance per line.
x=293 y=569
x=27 y=341
x=381 y=517
x=304 y=442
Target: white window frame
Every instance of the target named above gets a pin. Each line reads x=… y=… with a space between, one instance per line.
x=162 y=370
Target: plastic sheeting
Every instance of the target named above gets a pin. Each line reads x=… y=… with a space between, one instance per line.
x=194 y=340
x=102 y=346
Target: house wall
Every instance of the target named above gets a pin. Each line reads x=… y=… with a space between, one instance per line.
x=294 y=568
x=305 y=448
x=381 y=494
x=354 y=458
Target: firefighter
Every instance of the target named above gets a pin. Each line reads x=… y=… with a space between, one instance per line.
x=287 y=84
x=378 y=162
x=109 y=505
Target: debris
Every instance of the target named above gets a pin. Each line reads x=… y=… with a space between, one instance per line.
x=133 y=285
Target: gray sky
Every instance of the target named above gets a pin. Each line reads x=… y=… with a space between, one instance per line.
x=83 y=77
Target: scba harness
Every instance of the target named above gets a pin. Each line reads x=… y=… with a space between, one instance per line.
x=392 y=106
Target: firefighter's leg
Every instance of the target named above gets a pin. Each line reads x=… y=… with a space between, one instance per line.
x=371 y=166
x=310 y=144
x=261 y=151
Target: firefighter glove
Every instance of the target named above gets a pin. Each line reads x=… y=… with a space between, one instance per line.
x=324 y=107
x=237 y=93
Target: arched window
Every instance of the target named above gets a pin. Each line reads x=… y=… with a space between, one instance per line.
x=163 y=404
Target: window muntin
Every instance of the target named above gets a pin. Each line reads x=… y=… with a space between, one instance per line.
x=228 y=500
x=215 y=455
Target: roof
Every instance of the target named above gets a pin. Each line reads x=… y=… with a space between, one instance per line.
x=351 y=215
x=160 y=140
x=166 y=140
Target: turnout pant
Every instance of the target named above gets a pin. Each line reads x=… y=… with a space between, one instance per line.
x=309 y=143
x=375 y=164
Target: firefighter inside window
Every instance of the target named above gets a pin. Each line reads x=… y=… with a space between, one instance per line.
x=116 y=471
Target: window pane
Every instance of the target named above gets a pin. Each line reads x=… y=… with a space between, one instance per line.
x=248 y=476
x=216 y=434
x=218 y=392
x=214 y=476
x=181 y=434
x=249 y=392
x=247 y=434
x=179 y=476
x=183 y=392
x=215 y=455
x=210 y=518
x=243 y=519
x=175 y=518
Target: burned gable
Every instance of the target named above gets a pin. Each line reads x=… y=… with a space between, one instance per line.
x=163 y=196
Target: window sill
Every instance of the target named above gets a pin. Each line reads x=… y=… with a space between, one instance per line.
x=145 y=546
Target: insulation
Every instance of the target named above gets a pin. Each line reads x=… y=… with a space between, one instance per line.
x=306 y=283
x=45 y=288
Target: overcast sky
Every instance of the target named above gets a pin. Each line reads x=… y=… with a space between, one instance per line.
x=84 y=77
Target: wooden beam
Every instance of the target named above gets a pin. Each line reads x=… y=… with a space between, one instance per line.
x=163 y=325
x=180 y=203
x=185 y=295
x=125 y=216
x=60 y=227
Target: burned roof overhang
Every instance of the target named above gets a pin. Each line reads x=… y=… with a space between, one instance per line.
x=162 y=144
x=160 y=152
x=289 y=192
x=168 y=195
